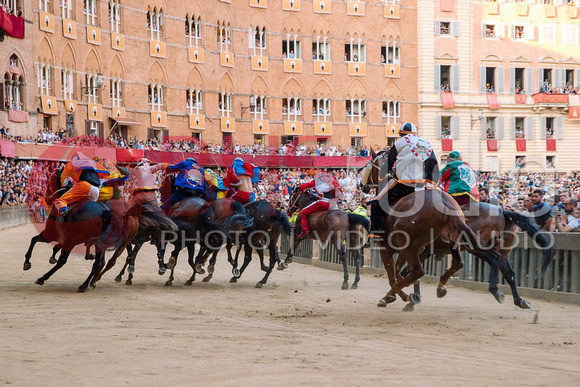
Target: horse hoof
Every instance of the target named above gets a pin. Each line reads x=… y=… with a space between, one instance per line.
x=162 y=270
x=118 y=278
x=414 y=298
x=288 y=261
x=382 y=303
x=90 y=257
x=39 y=281
x=264 y=268
x=499 y=296
x=81 y=289
x=441 y=291
x=344 y=285
x=236 y=272
x=188 y=283
x=259 y=285
x=524 y=304
x=354 y=286
x=282 y=266
x=131 y=269
x=210 y=269
x=27 y=266
x=52 y=260
x=171 y=263
x=128 y=282
x=207 y=278
x=409 y=307
x=169 y=283
x=199 y=269
x=233 y=280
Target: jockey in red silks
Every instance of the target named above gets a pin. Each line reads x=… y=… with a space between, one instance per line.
x=87 y=177
x=329 y=191
x=242 y=175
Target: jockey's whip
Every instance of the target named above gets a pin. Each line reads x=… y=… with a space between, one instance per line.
x=216 y=163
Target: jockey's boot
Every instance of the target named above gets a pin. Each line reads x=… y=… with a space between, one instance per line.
x=304 y=233
x=376 y=217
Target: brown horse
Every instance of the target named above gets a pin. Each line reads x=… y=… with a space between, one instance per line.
x=342 y=229
x=414 y=222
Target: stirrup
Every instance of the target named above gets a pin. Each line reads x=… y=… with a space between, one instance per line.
x=303 y=235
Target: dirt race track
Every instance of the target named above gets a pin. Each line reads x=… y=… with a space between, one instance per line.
x=299 y=329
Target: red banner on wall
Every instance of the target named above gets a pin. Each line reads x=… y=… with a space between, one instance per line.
x=446 y=145
x=521 y=98
x=492 y=145
x=129 y=155
x=7 y=148
x=551 y=145
x=447 y=99
x=574 y=107
x=446 y=5
x=13 y=25
x=492 y=101
x=521 y=145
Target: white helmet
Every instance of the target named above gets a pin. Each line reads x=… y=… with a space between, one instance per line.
x=408 y=127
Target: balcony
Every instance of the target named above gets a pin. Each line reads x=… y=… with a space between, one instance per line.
x=550 y=98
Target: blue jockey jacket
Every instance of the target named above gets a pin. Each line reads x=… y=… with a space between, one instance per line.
x=191 y=175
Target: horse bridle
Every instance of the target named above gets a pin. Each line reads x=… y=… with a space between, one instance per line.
x=372 y=164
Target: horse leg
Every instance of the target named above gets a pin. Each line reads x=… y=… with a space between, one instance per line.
x=510 y=277
x=247 y=260
x=28 y=255
x=211 y=267
x=416 y=271
x=342 y=253
x=130 y=264
x=171 y=265
x=235 y=270
x=273 y=250
x=356 y=249
x=161 y=246
x=60 y=263
x=456 y=265
x=112 y=261
x=200 y=259
x=190 y=255
x=389 y=264
x=97 y=266
x=52 y=260
x=88 y=255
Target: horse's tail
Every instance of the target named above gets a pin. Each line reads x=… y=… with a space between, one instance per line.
x=283 y=220
x=209 y=223
x=355 y=220
x=152 y=219
x=455 y=226
x=528 y=225
x=106 y=218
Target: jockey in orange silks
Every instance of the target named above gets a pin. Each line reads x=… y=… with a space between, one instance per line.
x=86 y=175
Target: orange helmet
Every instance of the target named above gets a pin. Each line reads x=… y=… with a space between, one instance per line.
x=311 y=172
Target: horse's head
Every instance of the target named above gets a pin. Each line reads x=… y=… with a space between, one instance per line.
x=293 y=201
x=371 y=176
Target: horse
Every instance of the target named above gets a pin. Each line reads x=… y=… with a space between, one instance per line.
x=338 y=227
x=411 y=224
x=89 y=223
x=269 y=223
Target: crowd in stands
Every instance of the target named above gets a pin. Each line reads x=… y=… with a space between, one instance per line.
x=568 y=89
x=6 y=8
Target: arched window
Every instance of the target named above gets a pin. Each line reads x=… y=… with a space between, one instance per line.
x=67 y=83
x=116 y=92
x=291 y=47
x=155 y=95
x=257 y=40
x=356 y=109
x=292 y=108
x=321 y=48
x=224 y=36
x=90 y=11
x=45 y=6
x=155 y=23
x=321 y=109
x=66 y=9
x=115 y=15
x=392 y=111
x=355 y=50
x=43 y=77
x=258 y=107
x=194 y=101
x=225 y=104
x=193 y=30
x=13 y=91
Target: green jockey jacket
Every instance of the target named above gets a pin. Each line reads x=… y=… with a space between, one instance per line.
x=459 y=179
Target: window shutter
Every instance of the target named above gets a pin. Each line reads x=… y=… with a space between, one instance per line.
x=577 y=78
x=500 y=80
x=559 y=132
x=150 y=133
x=101 y=130
x=500 y=128
x=513 y=128
x=482 y=79
x=438 y=130
x=455 y=127
x=87 y=127
x=1 y=96
x=540 y=78
x=483 y=30
x=562 y=78
x=529 y=80
x=165 y=135
x=483 y=128
x=543 y=131
x=250 y=37
x=512 y=31
x=455 y=80
x=500 y=31
x=455 y=28
x=512 y=80
x=437 y=27
x=437 y=78
x=529 y=127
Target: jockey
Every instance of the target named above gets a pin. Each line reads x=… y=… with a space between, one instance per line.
x=329 y=191
x=458 y=180
x=190 y=182
x=416 y=166
x=86 y=175
x=143 y=183
x=215 y=186
x=117 y=176
x=242 y=175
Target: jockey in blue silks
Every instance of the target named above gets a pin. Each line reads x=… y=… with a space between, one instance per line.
x=190 y=182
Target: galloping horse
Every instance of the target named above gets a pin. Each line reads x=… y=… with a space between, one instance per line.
x=414 y=222
x=269 y=223
x=495 y=227
x=338 y=227
x=89 y=223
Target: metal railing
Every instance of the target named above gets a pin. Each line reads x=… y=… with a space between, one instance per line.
x=303 y=250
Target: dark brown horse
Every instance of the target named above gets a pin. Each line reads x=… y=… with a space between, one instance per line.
x=88 y=223
x=414 y=222
x=342 y=229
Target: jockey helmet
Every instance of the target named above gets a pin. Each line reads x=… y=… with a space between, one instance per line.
x=408 y=127
x=143 y=161
x=311 y=172
x=454 y=155
x=192 y=159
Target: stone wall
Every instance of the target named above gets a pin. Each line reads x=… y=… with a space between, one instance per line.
x=13 y=216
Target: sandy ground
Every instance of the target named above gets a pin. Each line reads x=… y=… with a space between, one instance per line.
x=299 y=329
